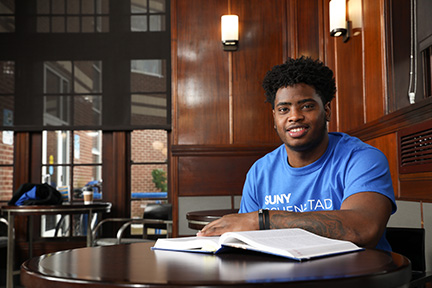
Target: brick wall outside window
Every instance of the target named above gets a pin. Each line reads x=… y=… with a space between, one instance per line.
x=148 y=146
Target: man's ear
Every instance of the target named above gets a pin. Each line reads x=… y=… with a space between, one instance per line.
x=327 y=109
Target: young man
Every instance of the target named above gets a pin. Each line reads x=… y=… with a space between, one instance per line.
x=331 y=184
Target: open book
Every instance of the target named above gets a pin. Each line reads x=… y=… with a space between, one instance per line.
x=293 y=243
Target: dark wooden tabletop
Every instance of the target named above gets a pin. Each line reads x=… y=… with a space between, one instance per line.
x=136 y=265
x=65 y=208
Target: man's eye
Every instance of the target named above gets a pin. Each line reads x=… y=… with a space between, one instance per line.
x=283 y=109
x=308 y=106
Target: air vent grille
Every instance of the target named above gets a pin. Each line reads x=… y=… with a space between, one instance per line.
x=415 y=148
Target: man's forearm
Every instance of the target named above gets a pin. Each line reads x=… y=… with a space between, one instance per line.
x=324 y=223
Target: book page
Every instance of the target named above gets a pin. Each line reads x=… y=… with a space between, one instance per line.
x=209 y=244
x=295 y=242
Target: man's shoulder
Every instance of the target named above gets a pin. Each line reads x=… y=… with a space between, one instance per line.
x=276 y=153
x=343 y=140
x=346 y=146
x=272 y=156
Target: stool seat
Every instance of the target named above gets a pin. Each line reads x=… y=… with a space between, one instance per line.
x=113 y=241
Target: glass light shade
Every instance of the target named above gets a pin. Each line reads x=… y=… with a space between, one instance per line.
x=229 y=28
x=355 y=15
x=337 y=17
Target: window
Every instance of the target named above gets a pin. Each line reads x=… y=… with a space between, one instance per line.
x=7 y=16
x=149 y=92
x=149 y=170
x=115 y=80
x=148 y=15
x=88 y=71
x=71 y=160
x=76 y=155
x=72 y=16
x=72 y=93
x=6 y=165
x=7 y=91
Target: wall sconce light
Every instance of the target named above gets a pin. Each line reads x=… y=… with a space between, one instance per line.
x=355 y=16
x=229 y=25
x=339 y=26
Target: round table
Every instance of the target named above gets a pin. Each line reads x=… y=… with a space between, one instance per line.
x=136 y=265
x=37 y=210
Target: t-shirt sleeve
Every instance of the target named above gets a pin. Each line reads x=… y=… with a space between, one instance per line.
x=368 y=171
x=249 y=201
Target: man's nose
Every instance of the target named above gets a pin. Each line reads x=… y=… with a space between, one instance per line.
x=295 y=115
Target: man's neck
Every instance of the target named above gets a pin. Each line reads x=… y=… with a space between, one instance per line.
x=297 y=159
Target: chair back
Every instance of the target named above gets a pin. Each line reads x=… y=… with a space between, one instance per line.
x=158 y=211
x=3 y=232
x=409 y=242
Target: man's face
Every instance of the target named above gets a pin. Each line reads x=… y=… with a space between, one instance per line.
x=300 y=118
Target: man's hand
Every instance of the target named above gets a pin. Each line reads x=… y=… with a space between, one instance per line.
x=231 y=222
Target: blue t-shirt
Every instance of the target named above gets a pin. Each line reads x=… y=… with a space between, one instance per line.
x=348 y=166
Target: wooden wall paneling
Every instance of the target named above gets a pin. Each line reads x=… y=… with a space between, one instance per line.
x=308 y=28
x=405 y=117
x=36 y=157
x=349 y=84
x=217 y=170
x=21 y=159
x=201 y=176
x=305 y=28
x=173 y=192
x=416 y=186
x=388 y=63
x=415 y=148
x=116 y=175
x=374 y=76
x=202 y=73
x=21 y=175
x=415 y=164
x=174 y=84
x=291 y=23
x=329 y=60
x=260 y=48
x=173 y=135
x=323 y=29
x=388 y=145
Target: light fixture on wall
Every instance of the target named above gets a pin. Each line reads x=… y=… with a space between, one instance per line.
x=339 y=26
x=355 y=16
x=229 y=29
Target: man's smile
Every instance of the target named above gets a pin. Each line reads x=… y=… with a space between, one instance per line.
x=297 y=132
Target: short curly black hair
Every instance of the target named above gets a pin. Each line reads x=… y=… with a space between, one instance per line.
x=301 y=70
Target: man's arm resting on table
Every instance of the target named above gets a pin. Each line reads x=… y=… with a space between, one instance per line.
x=361 y=219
